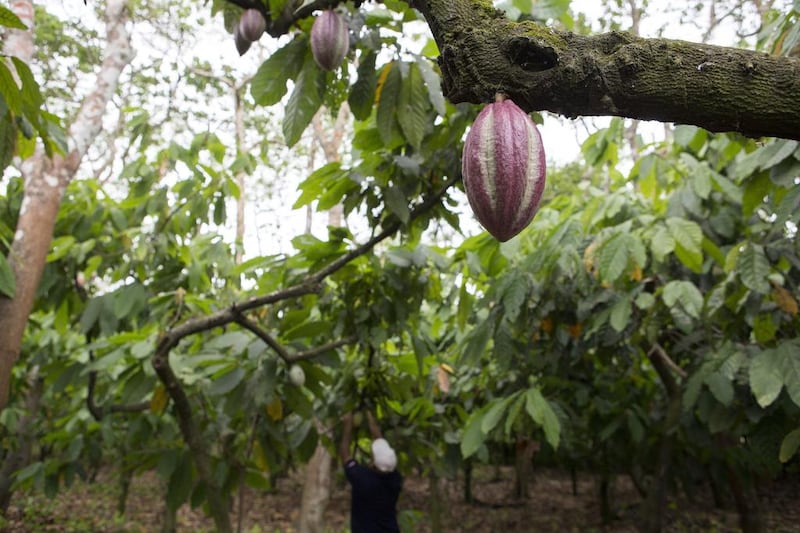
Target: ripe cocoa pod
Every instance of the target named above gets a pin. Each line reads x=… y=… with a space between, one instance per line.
x=242 y=43
x=252 y=25
x=297 y=376
x=503 y=167
x=329 y=40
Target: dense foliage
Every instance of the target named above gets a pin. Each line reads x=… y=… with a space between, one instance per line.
x=646 y=323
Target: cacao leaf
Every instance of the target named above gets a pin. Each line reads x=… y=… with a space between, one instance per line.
x=754 y=192
x=685 y=293
x=613 y=258
x=514 y=410
x=721 y=387
x=662 y=244
x=226 y=382
x=620 y=314
x=688 y=238
x=540 y=411
x=473 y=438
x=180 y=483
x=766 y=380
x=753 y=268
x=159 y=400
x=9 y=90
x=397 y=203
x=10 y=20
x=387 y=94
x=789 y=446
x=269 y=83
x=790 y=352
x=8 y=284
x=433 y=83
x=303 y=103
x=412 y=106
x=785 y=300
x=362 y=93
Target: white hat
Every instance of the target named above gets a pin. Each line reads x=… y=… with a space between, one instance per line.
x=383 y=455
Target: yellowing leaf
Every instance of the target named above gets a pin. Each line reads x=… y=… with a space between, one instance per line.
x=381 y=80
x=442 y=379
x=575 y=330
x=159 y=400
x=275 y=409
x=447 y=368
x=785 y=300
x=547 y=325
x=259 y=458
x=636 y=275
x=588 y=257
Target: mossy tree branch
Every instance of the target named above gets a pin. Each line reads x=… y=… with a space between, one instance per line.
x=613 y=74
x=620 y=74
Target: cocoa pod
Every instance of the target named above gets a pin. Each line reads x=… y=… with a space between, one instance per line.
x=252 y=25
x=297 y=376
x=242 y=43
x=329 y=40
x=503 y=168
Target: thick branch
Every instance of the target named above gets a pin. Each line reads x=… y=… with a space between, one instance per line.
x=717 y=88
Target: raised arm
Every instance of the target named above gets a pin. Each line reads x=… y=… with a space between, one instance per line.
x=374 y=429
x=347 y=438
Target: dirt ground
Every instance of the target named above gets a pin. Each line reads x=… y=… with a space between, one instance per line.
x=551 y=507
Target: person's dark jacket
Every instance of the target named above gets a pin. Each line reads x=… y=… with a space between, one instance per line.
x=373 y=507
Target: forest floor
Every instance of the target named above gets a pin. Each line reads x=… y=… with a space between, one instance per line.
x=551 y=507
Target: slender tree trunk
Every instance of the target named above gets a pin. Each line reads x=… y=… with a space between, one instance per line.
x=46 y=179
x=747 y=504
x=241 y=175
x=26 y=436
x=316 y=491
x=468 y=482
x=317 y=486
x=436 y=504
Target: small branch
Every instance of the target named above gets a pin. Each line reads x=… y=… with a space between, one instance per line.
x=263 y=335
x=660 y=352
x=319 y=350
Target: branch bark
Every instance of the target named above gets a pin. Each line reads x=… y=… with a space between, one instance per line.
x=717 y=88
x=619 y=74
x=46 y=179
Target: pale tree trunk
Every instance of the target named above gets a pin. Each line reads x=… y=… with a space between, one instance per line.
x=46 y=179
x=241 y=175
x=316 y=491
x=331 y=143
x=317 y=486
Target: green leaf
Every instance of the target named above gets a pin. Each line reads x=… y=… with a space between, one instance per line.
x=540 y=411
x=397 y=203
x=412 y=106
x=766 y=379
x=789 y=446
x=180 y=483
x=620 y=314
x=721 y=387
x=227 y=382
x=362 y=93
x=10 y=20
x=386 y=118
x=473 y=438
x=8 y=285
x=662 y=243
x=685 y=293
x=753 y=268
x=688 y=238
x=494 y=414
x=790 y=364
x=303 y=104
x=434 y=85
x=9 y=90
x=613 y=258
x=476 y=343
x=269 y=83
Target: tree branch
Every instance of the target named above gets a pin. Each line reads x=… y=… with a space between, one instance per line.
x=263 y=335
x=717 y=88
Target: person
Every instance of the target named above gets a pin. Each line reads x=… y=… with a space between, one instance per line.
x=374 y=488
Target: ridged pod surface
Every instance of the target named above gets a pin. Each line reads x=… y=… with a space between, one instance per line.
x=503 y=167
x=252 y=25
x=329 y=40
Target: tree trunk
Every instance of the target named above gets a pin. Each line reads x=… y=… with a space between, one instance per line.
x=468 y=482
x=26 y=435
x=46 y=179
x=316 y=491
x=523 y=459
x=436 y=507
x=747 y=504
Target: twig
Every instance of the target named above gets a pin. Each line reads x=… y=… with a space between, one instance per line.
x=263 y=335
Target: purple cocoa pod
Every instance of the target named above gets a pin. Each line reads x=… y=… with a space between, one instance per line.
x=329 y=40
x=503 y=167
x=242 y=42
x=252 y=25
